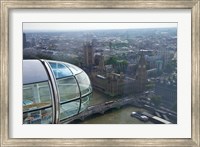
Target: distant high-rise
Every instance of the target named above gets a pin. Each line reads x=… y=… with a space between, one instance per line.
x=110 y=46
x=88 y=54
x=24 y=40
x=33 y=42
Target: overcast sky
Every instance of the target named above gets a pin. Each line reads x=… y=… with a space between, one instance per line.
x=91 y=26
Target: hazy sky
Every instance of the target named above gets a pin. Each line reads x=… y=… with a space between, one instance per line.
x=91 y=26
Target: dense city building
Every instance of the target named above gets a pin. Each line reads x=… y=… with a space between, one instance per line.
x=168 y=93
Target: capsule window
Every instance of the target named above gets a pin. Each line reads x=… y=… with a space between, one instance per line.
x=84 y=83
x=60 y=70
x=85 y=102
x=74 y=69
x=69 y=109
x=37 y=106
x=68 y=89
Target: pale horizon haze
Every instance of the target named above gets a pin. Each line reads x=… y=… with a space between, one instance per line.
x=92 y=26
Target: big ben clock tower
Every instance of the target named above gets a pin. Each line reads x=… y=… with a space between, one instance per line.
x=141 y=74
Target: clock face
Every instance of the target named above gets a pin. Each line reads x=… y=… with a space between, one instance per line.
x=139 y=66
x=144 y=66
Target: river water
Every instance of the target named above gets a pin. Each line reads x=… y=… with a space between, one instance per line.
x=113 y=116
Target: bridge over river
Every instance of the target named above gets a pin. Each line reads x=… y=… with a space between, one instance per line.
x=102 y=108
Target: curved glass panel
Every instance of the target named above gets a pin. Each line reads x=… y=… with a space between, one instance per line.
x=59 y=70
x=37 y=106
x=84 y=83
x=68 y=89
x=85 y=102
x=69 y=109
x=36 y=67
x=75 y=70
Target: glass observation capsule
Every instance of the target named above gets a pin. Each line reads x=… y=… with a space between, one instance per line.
x=53 y=91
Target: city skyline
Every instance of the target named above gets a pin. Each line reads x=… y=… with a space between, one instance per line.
x=134 y=70
x=80 y=26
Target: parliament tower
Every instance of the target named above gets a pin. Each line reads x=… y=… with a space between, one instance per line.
x=88 y=54
x=141 y=74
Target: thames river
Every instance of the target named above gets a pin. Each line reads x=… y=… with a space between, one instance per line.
x=113 y=116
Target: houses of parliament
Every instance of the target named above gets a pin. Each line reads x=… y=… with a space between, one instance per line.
x=105 y=79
